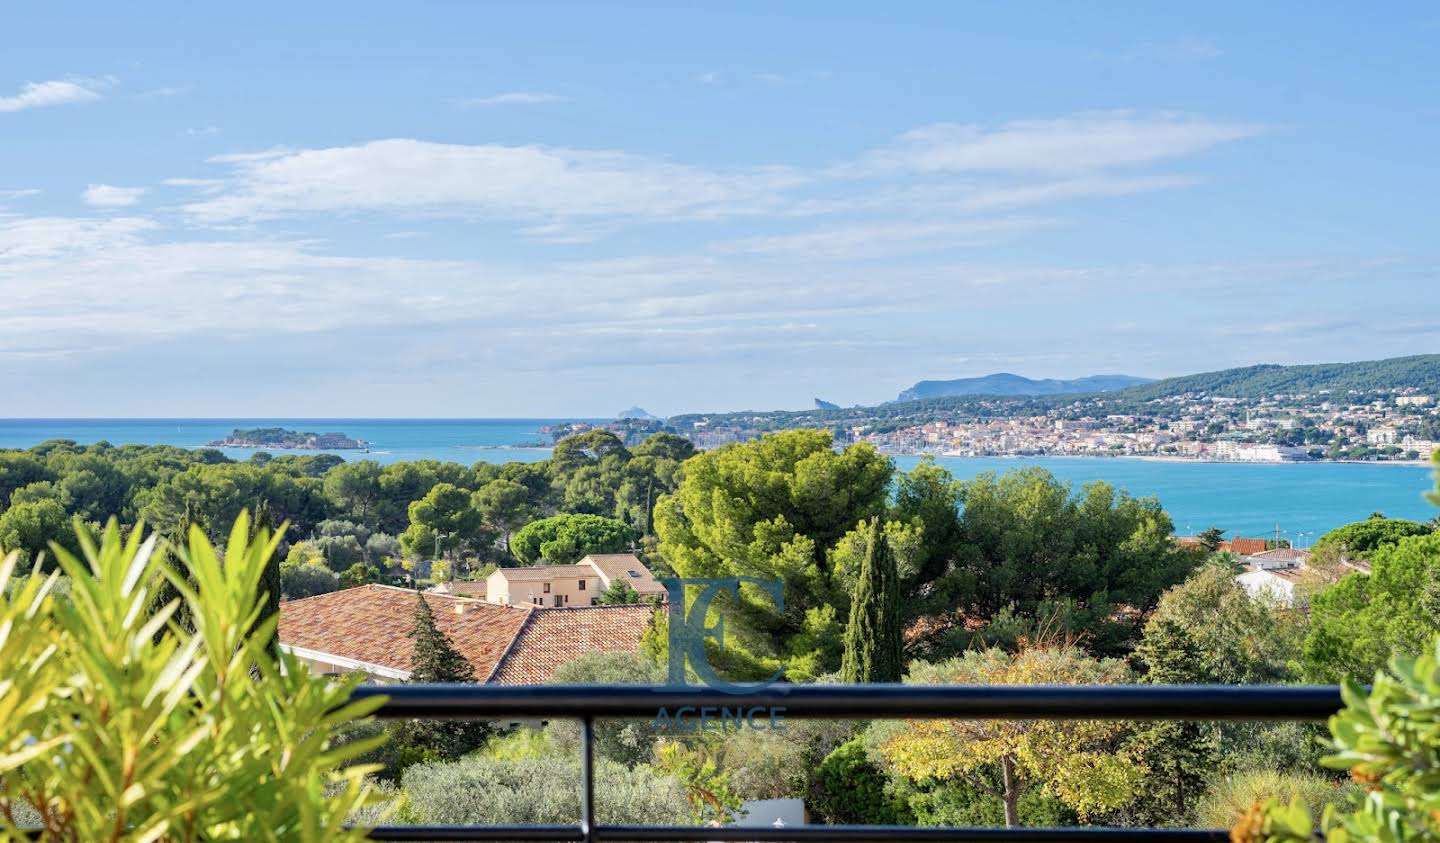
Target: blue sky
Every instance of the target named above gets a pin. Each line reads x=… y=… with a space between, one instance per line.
x=533 y=209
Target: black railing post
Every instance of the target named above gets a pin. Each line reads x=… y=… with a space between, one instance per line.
x=587 y=779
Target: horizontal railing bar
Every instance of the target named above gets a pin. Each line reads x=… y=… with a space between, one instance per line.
x=854 y=833
x=476 y=832
x=1058 y=702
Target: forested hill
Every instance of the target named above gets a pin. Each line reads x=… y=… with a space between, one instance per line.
x=1005 y=383
x=1421 y=371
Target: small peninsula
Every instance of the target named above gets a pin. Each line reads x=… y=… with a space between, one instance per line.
x=280 y=438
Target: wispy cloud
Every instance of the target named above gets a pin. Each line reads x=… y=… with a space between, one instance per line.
x=6 y=195
x=569 y=195
x=53 y=92
x=110 y=196
x=1086 y=142
x=710 y=77
x=532 y=183
x=861 y=241
x=515 y=98
x=202 y=132
x=165 y=91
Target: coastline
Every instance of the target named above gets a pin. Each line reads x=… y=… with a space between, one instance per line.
x=1156 y=458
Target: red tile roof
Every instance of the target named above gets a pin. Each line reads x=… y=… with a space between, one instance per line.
x=1247 y=547
x=545 y=572
x=552 y=637
x=371 y=624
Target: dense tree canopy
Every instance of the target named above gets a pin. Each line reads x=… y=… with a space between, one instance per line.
x=1356 y=625
x=1363 y=538
x=565 y=539
x=772 y=509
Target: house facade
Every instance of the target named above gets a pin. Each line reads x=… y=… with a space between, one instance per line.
x=569 y=586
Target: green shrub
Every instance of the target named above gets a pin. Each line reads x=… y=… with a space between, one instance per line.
x=851 y=789
x=1230 y=796
x=1388 y=740
x=122 y=725
x=539 y=791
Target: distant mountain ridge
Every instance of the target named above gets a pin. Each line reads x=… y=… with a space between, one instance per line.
x=1005 y=384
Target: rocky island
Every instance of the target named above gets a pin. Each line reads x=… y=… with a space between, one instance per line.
x=282 y=439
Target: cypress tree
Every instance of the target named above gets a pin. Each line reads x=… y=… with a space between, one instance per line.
x=874 y=647
x=436 y=660
x=1181 y=757
x=269 y=585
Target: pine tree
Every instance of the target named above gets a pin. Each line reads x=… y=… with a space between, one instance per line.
x=874 y=648
x=618 y=593
x=436 y=660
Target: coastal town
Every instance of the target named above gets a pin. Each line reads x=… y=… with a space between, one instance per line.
x=1283 y=428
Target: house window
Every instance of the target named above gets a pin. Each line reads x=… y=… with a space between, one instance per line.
x=582 y=585
x=547 y=588
x=557 y=600
x=634 y=575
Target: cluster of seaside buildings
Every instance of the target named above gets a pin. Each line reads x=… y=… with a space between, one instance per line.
x=1226 y=429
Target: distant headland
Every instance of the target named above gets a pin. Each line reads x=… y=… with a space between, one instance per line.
x=282 y=439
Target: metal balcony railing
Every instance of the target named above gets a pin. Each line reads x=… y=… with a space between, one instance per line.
x=1020 y=702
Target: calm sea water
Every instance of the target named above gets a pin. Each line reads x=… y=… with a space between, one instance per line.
x=1304 y=500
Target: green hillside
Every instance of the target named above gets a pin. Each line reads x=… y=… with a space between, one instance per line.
x=1421 y=371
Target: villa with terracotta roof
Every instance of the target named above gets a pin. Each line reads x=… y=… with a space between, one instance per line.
x=561 y=586
x=367 y=630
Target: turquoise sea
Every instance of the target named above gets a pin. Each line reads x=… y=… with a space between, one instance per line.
x=1245 y=499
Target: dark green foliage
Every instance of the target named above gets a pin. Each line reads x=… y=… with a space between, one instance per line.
x=1363 y=538
x=874 y=645
x=960 y=803
x=618 y=593
x=1210 y=538
x=1181 y=757
x=1360 y=622
x=435 y=659
x=300 y=581
x=851 y=790
x=1089 y=563
x=565 y=539
x=270 y=585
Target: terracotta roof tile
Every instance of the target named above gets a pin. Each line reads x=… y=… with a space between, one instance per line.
x=545 y=572
x=372 y=623
x=619 y=566
x=552 y=637
x=1247 y=547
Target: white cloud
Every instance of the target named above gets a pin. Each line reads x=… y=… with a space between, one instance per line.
x=110 y=196
x=515 y=98
x=541 y=184
x=6 y=195
x=1077 y=144
x=861 y=241
x=54 y=92
x=565 y=195
x=204 y=131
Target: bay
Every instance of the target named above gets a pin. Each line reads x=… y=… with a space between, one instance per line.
x=1304 y=500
